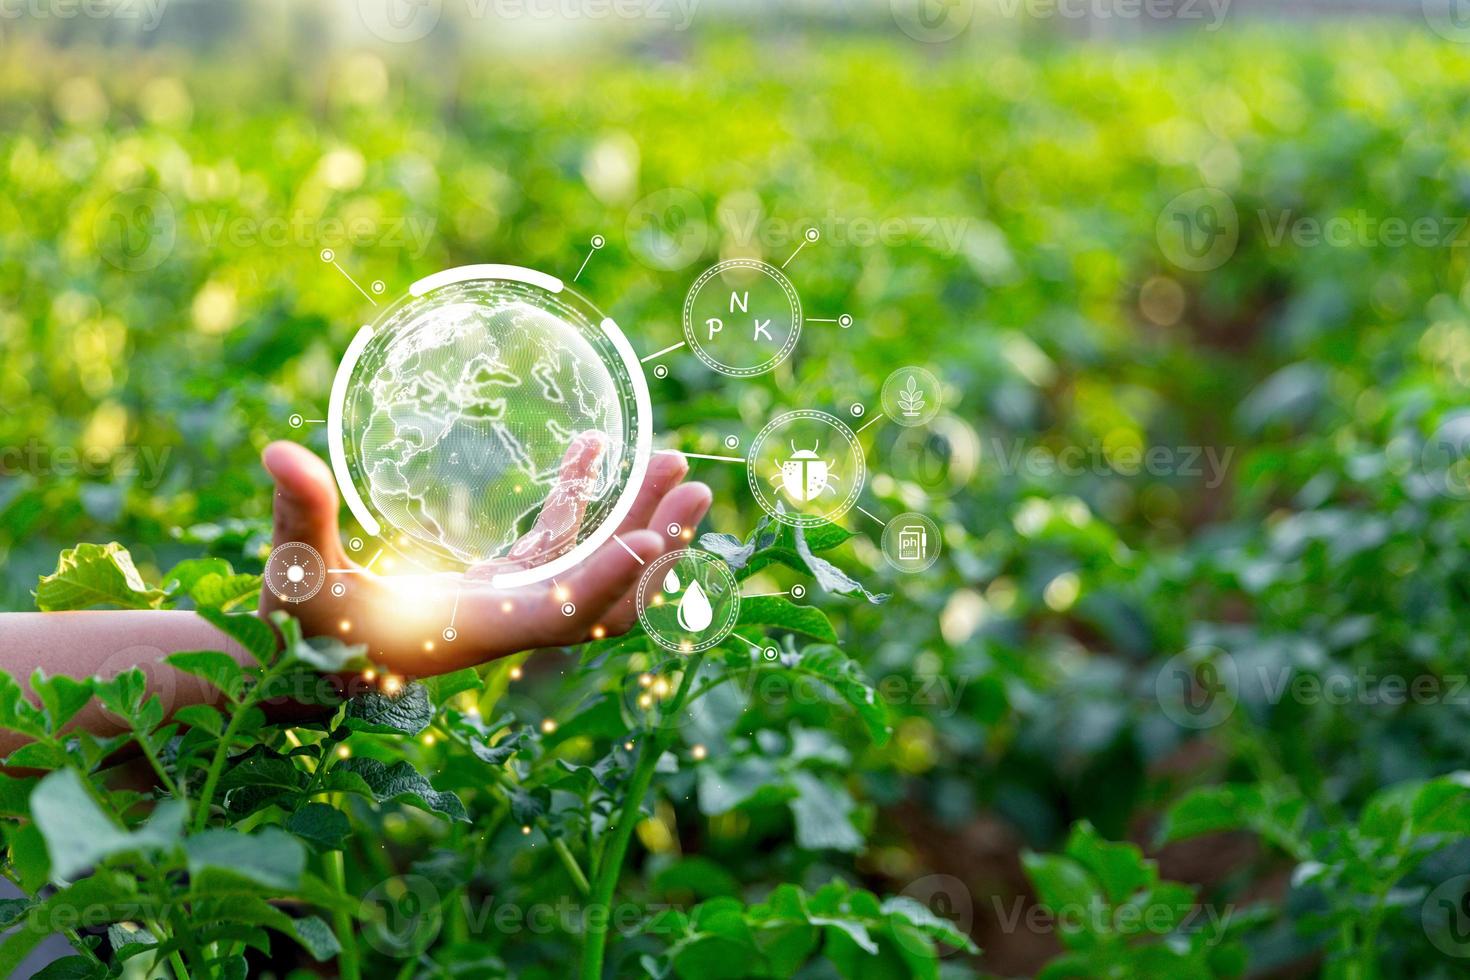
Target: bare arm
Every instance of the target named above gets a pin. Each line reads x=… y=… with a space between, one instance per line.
x=83 y=644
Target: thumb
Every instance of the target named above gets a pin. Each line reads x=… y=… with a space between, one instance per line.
x=305 y=504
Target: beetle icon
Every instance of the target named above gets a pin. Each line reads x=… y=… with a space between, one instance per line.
x=804 y=475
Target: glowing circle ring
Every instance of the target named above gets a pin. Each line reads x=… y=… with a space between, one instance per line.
x=642 y=409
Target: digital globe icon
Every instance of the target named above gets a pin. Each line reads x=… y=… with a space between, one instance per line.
x=451 y=416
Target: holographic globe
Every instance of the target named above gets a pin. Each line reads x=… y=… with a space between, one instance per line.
x=461 y=405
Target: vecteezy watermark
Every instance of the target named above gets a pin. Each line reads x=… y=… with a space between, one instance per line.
x=406 y=21
x=1359 y=229
x=1450 y=19
x=1198 y=688
x=403 y=915
x=145 y=13
x=1199 y=229
x=946 y=897
x=937 y=21
x=410 y=233
x=1201 y=687
x=1016 y=457
x=147 y=463
x=1096 y=915
x=942 y=234
x=135 y=230
x=1445 y=458
x=1445 y=916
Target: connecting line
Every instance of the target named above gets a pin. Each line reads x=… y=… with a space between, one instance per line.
x=584 y=265
x=721 y=459
x=323 y=421
x=800 y=245
x=819 y=319
x=761 y=595
x=660 y=353
x=629 y=550
x=354 y=282
x=346 y=571
x=455 y=611
x=877 y=417
x=753 y=645
x=373 y=559
x=876 y=518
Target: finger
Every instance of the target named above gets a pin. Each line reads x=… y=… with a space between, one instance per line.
x=665 y=470
x=686 y=506
x=305 y=505
x=561 y=512
x=606 y=576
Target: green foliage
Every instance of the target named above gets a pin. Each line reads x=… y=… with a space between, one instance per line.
x=1307 y=525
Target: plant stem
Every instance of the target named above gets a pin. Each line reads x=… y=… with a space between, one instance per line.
x=217 y=765
x=569 y=861
x=335 y=872
x=610 y=867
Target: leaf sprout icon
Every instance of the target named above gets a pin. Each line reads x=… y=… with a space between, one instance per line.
x=695 y=612
x=911 y=399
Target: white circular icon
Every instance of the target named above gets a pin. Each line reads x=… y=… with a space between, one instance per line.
x=911 y=542
x=742 y=317
x=294 y=572
x=688 y=600
x=912 y=396
x=666 y=230
x=400 y=21
x=135 y=230
x=1198 y=688
x=806 y=468
x=1199 y=229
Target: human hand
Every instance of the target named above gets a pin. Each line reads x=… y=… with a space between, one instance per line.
x=402 y=618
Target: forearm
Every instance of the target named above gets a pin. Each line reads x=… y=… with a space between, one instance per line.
x=83 y=644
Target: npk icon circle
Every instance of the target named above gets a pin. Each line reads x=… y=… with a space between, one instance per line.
x=742 y=317
x=688 y=600
x=492 y=414
x=806 y=468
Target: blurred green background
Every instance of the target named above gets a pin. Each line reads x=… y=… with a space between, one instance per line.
x=995 y=206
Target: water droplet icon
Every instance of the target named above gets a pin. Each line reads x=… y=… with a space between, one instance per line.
x=695 y=612
x=671 y=582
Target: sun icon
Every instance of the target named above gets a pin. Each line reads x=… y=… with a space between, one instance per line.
x=294 y=571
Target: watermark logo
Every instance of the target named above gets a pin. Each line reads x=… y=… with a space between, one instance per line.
x=945 y=897
x=400 y=21
x=1450 y=19
x=146 y=13
x=402 y=915
x=1198 y=688
x=1445 y=458
x=135 y=230
x=932 y=21
x=1445 y=916
x=667 y=230
x=1199 y=229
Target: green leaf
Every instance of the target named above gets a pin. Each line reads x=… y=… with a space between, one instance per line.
x=832 y=667
x=246 y=629
x=324 y=653
x=61 y=697
x=78 y=834
x=17 y=713
x=219 y=669
x=407 y=713
x=91 y=575
x=269 y=857
x=203 y=716
x=823 y=816
x=397 y=783
x=322 y=826
x=1277 y=816
x=224 y=591
x=446 y=686
x=1118 y=867
x=317 y=938
x=781 y=613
